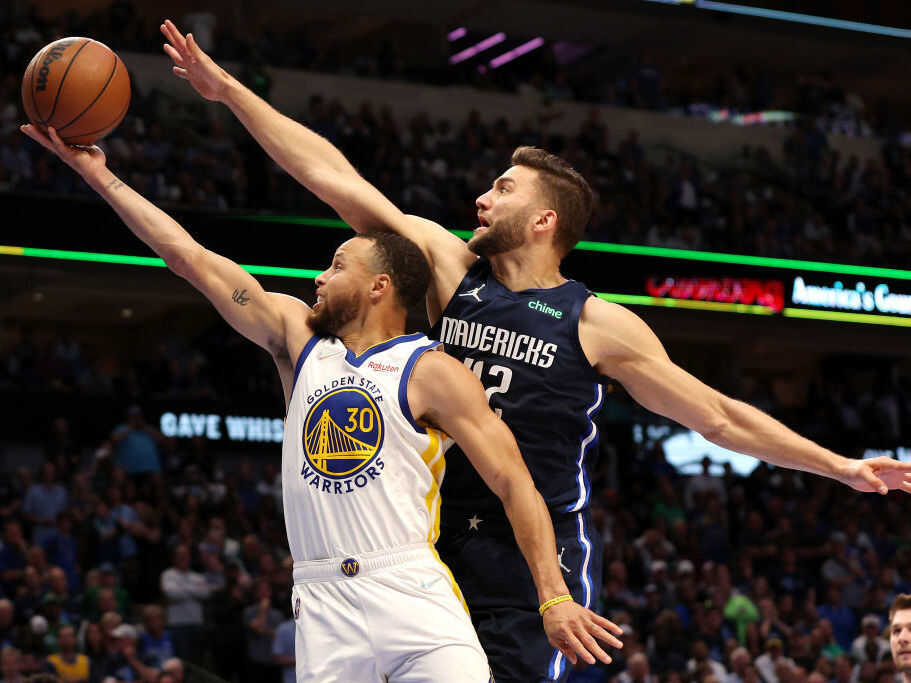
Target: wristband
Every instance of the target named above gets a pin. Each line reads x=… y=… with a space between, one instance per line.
x=554 y=601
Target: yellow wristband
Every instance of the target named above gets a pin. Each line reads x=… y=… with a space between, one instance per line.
x=554 y=601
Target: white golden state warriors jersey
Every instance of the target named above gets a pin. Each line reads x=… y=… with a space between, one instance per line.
x=358 y=473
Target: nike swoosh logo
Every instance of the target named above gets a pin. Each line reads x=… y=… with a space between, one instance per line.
x=426 y=585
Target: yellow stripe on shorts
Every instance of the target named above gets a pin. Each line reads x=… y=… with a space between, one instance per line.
x=436 y=461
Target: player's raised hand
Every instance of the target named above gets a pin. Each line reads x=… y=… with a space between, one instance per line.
x=86 y=161
x=879 y=475
x=194 y=65
x=575 y=631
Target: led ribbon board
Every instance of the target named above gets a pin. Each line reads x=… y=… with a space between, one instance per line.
x=635 y=275
x=795 y=17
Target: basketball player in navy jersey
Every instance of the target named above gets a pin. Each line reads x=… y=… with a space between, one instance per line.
x=368 y=414
x=541 y=345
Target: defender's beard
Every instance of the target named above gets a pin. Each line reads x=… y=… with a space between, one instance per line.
x=504 y=235
x=329 y=319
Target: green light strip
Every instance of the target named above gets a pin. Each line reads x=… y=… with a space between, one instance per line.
x=626 y=299
x=841 y=316
x=155 y=262
x=717 y=306
x=297 y=220
x=95 y=257
x=659 y=252
x=831 y=316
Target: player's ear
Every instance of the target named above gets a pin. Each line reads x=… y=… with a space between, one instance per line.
x=545 y=220
x=382 y=286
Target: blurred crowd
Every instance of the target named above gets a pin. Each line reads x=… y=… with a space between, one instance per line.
x=848 y=403
x=774 y=578
x=816 y=205
x=129 y=560
x=562 y=71
x=39 y=359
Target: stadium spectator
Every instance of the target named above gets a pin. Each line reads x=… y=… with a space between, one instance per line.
x=43 y=502
x=740 y=661
x=175 y=668
x=11 y=665
x=57 y=583
x=701 y=665
x=122 y=661
x=870 y=629
x=771 y=662
x=136 y=444
x=69 y=665
x=155 y=644
x=12 y=556
x=261 y=621
x=637 y=670
x=185 y=591
x=840 y=616
x=9 y=629
x=283 y=650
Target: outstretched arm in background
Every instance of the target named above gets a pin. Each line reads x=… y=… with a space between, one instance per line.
x=621 y=345
x=311 y=159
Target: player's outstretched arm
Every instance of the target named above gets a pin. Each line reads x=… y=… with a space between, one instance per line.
x=622 y=346
x=442 y=392
x=311 y=159
x=236 y=294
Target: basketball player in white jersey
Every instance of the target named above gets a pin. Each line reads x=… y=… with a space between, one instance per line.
x=368 y=414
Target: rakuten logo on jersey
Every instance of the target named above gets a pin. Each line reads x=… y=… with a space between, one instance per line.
x=382 y=367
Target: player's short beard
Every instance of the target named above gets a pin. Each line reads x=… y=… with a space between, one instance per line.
x=330 y=319
x=505 y=235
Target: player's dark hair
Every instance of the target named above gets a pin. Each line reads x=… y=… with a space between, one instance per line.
x=902 y=601
x=404 y=263
x=565 y=189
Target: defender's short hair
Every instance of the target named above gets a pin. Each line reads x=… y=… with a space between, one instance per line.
x=565 y=189
x=901 y=601
x=403 y=261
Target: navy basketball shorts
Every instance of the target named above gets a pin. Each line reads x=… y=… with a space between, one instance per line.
x=497 y=585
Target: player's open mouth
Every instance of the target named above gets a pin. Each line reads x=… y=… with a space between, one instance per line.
x=319 y=302
x=482 y=223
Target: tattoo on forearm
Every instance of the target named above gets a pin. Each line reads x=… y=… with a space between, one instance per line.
x=114 y=184
x=239 y=298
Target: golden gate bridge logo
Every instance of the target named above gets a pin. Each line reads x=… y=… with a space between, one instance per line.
x=342 y=432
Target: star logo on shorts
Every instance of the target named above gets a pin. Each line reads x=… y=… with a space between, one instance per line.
x=473 y=522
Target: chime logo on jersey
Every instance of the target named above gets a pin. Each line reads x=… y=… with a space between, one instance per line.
x=342 y=435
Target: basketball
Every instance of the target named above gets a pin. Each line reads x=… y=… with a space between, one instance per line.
x=78 y=86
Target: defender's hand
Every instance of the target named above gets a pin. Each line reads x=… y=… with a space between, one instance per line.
x=572 y=629
x=879 y=475
x=89 y=162
x=194 y=65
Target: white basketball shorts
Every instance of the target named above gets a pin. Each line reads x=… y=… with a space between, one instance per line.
x=387 y=617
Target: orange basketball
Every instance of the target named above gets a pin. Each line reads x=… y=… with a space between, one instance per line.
x=79 y=86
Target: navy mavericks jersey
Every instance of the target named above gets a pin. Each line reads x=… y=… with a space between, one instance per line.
x=524 y=347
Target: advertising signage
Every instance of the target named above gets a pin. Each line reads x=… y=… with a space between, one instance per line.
x=802 y=295
x=636 y=275
x=628 y=274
